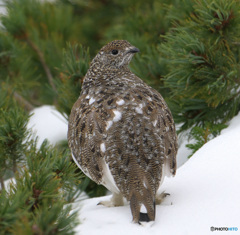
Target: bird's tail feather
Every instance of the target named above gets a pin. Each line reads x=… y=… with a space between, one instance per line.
x=148 y=202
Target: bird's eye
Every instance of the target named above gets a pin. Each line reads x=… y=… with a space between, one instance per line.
x=114 y=52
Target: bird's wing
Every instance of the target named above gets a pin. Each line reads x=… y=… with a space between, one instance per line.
x=165 y=128
x=162 y=123
x=85 y=133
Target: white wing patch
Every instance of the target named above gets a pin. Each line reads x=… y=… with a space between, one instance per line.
x=149 y=98
x=120 y=102
x=91 y=100
x=109 y=124
x=139 y=109
x=103 y=147
x=118 y=115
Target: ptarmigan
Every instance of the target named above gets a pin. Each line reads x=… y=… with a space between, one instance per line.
x=121 y=132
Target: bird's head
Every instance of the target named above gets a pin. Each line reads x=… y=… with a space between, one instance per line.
x=116 y=54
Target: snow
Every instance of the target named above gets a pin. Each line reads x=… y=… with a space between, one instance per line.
x=47 y=123
x=143 y=209
x=3 y=10
x=183 y=151
x=7 y=184
x=205 y=191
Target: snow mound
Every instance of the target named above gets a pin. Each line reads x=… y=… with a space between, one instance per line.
x=2 y=8
x=47 y=123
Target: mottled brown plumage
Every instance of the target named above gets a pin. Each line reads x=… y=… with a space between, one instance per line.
x=121 y=132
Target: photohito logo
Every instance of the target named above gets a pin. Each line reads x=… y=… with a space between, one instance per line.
x=223 y=229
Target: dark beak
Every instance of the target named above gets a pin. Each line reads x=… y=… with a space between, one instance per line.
x=133 y=50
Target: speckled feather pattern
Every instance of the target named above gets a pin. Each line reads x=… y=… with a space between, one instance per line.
x=121 y=122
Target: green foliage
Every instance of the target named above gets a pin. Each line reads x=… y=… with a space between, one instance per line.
x=54 y=221
x=72 y=72
x=143 y=23
x=92 y=189
x=45 y=178
x=33 y=36
x=44 y=184
x=202 y=135
x=10 y=209
x=203 y=63
x=13 y=132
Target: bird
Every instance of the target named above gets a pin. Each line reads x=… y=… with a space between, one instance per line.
x=121 y=132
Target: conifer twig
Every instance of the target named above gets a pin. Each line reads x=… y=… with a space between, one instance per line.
x=43 y=62
x=2 y=183
x=28 y=106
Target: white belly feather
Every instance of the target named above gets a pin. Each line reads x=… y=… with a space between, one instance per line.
x=107 y=178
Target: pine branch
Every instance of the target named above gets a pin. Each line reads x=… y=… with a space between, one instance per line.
x=2 y=183
x=43 y=62
x=27 y=105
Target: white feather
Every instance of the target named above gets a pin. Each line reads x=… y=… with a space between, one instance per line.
x=118 y=115
x=107 y=178
x=103 y=147
x=109 y=124
x=91 y=100
x=120 y=102
x=154 y=123
x=139 y=110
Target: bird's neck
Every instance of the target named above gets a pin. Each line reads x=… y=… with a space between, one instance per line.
x=105 y=77
x=102 y=72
